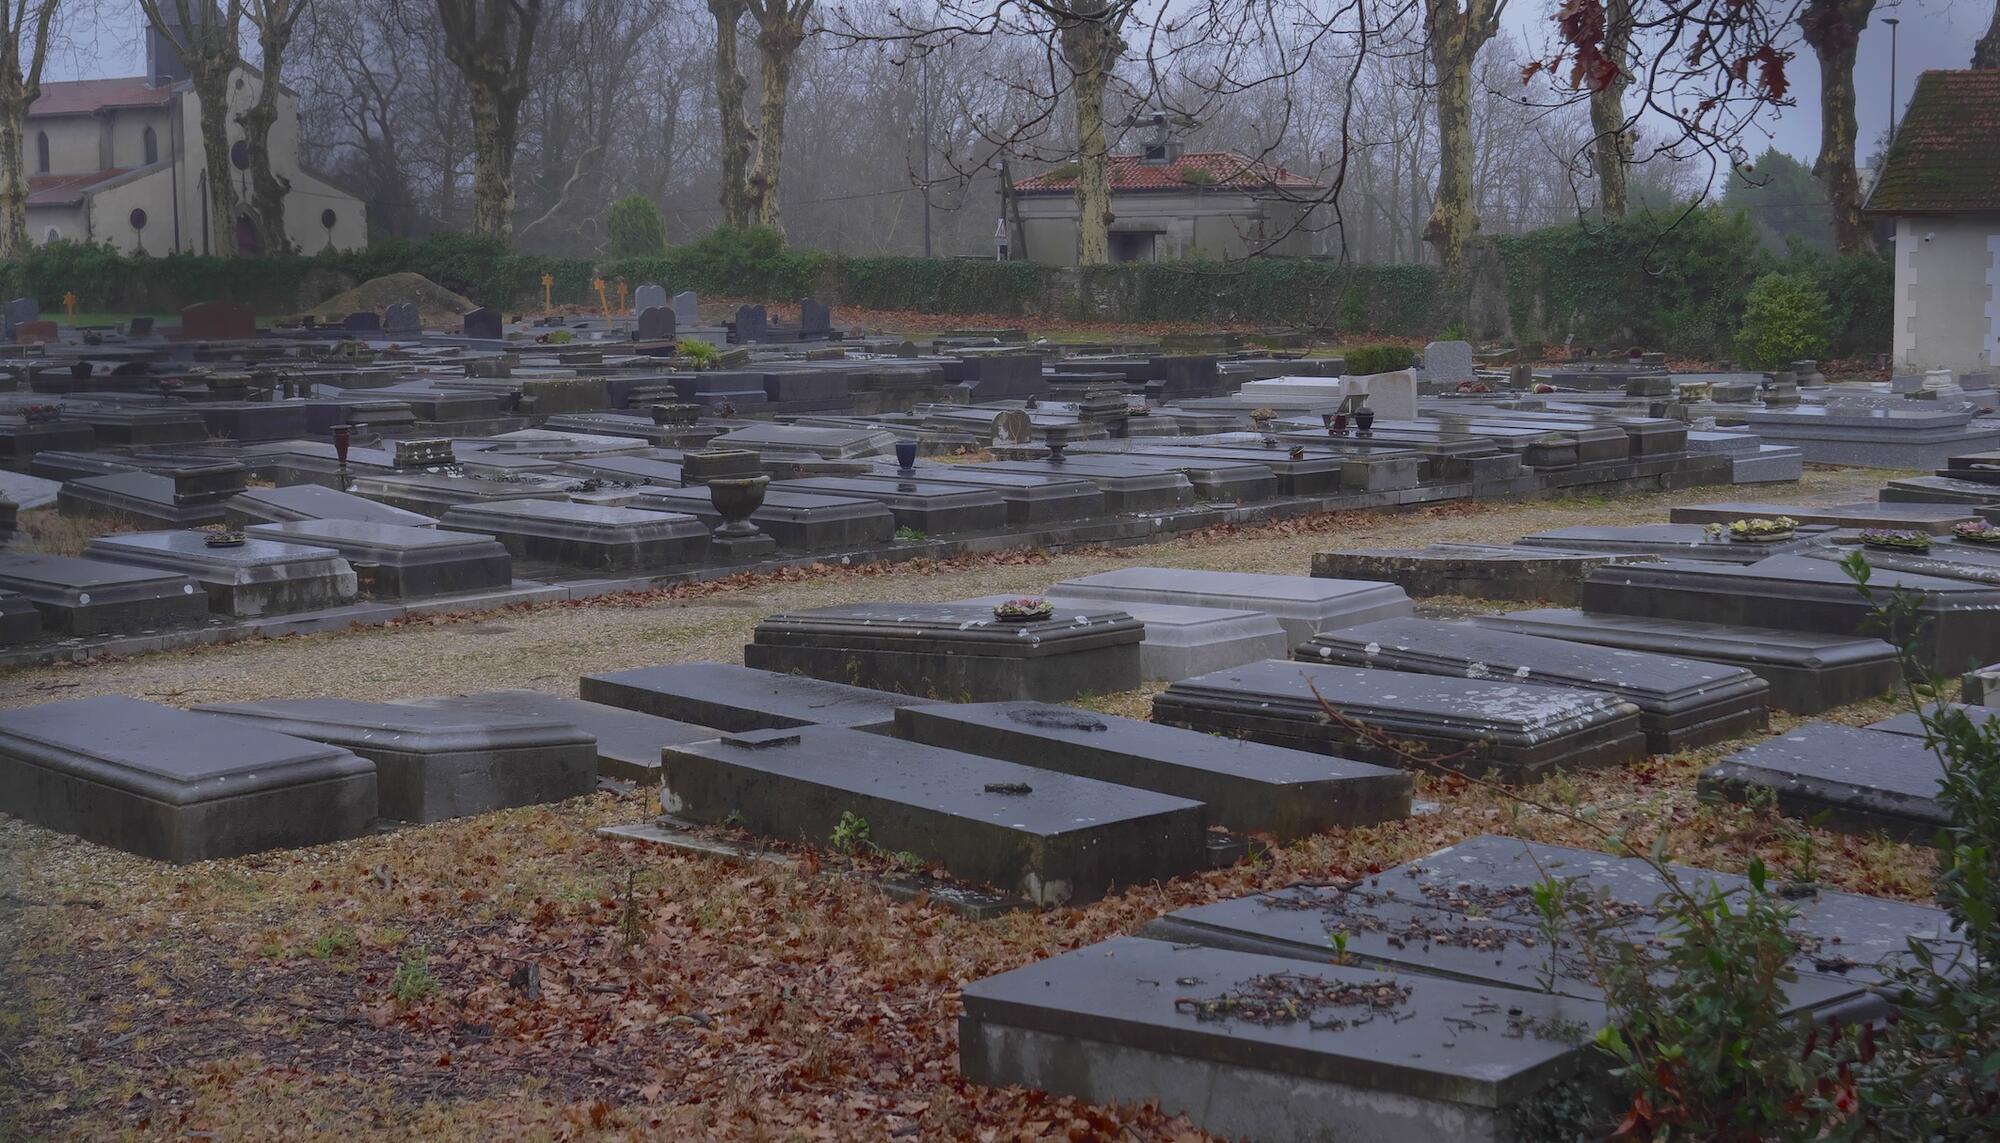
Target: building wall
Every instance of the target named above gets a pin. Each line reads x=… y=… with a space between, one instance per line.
x=111 y=212
x=1947 y=292
x=1210 y=225
x=75 y=145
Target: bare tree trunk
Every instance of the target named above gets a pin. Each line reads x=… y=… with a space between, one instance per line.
x=729 y=85
x=1091 y=47
x=491 y=43
x=1456 y=35
x=1612 y=150
x=1986 y=53
x=781 y=28
x=1833 y=28
x=22 y=25
x=206 y=41
x=274 y=20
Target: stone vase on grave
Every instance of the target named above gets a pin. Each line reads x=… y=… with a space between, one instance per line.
x=735 y=499
x=1364 y=422
x=906 y=457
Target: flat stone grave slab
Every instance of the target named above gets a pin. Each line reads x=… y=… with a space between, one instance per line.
x=1315 y=474
x=174 y=786
x=1052 y=838
x=1857 y=781
x=954 y=651
x=256 y=577
x=1670 y=542
x=1247 y=787
x=1031 y=500
x=1302 y=605
x=1938 y=489
x=1808 y=672
x=1183 y=641
x=1126 y=488
x=433 y=493
x=1517 y=731
x=1683 y=703
x=1948 y=558
x=1936 y=519
x=394 y=562
x=80 y=597
x=797 y=521
x=733 y=698
x=1909 y=724
x=140 y=496
x=1959 y=620
x=314 y=502
x=926 y=506
x=628 y=742
x=1369 y=1056
x=433 y=764
x=598 y=538
x=1477 y=571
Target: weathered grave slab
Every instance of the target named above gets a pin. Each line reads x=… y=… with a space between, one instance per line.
x=1517 y=731
x=433 y=764
x=79 y=597
x=1185 y=641
x=1859 y=781
x=926 y=506
x=1808 y=672
x=733 y=698
x=256 y=577
x=1303 y=605
x=1936 y=519
x=1126 y=488
x=1960 y=620
x=628 y=742
x=1381 y=1059
x=142 y=497
x=1032 y=501
x=1670 y=542
x=174 y=786
x=394 y=562
x=1053 y=838
x=482 y=323
x=314 y=502
x=587 y=536
x=1478 y=571
x=954 y=651
x=798 y=521
x=1683 y=703
x=1248 y=787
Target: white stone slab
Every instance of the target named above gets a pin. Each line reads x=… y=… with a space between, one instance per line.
x=1182 y=642
x=1303 y=605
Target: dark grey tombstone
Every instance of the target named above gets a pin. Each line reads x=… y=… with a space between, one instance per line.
x=362 y=321
x=753 y=324
x=21 y=311
x=255 y=577
x=647 y=296
x=733 y=698
x=656 y=323
x=79 y=597
x=483 y=323
x=1857 y=781
x=395 y=562
x=686 y=307
x=436 y=764
x=628 y=742
x=139 y=327
x=176 y=786
x=596 y=537
x=815 y=320
x=402 y=317
x=1051 y=838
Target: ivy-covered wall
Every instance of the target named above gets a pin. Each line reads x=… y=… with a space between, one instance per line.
x=1674 y=282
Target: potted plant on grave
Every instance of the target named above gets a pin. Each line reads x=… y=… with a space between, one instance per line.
x=1976 y=531
x=1262 y=418
x=1763 y=530
x=1027 y=609
x=1895 y=540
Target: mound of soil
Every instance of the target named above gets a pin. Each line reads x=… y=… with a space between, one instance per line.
x=436 y=306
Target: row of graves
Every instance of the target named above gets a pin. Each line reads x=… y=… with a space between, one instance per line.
x=1429 y=1000
x=311 y=477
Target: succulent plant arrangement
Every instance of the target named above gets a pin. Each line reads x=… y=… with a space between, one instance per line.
x=1763 y=529
x=1023 y=610
x=1976 y=531
x=1895 y=539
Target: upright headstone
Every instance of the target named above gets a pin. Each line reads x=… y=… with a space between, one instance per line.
x=1393 y=396
x=656 y=323
x=686 y=310
x=753 y=324
x=1449 y=362
x=647 y=296
x=402 y=317
x=19 y=312
x=815 y=320
x=139 y=327
x=483 y=322
x=217 y=321
x=362 y=321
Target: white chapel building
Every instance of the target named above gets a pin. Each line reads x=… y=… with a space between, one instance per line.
x=120 y=161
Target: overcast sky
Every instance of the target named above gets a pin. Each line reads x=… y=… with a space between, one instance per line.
x=1932 y=34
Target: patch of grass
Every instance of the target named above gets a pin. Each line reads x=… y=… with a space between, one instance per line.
x=330 y=944
x=49 y=531
x=911 y=535
x=413 y=981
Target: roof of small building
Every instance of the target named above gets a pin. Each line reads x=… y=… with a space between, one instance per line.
x=1192 y=170
x=67 y=190
x=1946 y=156
x=83 y=96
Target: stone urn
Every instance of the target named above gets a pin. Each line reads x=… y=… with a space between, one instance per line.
x=1364 y=422
x=906 y=457
x=735 y=498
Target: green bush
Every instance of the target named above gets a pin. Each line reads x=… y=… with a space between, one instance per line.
x=1370 y=359
x=1785 y=318
x=636 y=228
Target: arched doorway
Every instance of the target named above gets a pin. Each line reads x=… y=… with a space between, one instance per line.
x=246 y=236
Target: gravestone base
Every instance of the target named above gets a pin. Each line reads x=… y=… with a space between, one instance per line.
x=19 y=621
x=394 y=562
x=257 y=577
x=740 y=549
x=79 y=597
x=733 y=698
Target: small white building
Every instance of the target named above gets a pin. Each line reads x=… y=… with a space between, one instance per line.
x=1170 y=204
x=121 y=161
x=1940 y=189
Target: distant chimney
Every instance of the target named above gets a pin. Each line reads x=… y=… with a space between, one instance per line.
x=1160 y=147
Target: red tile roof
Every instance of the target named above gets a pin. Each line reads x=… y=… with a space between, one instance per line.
x=65 y=190
x=82 y=96
x=1946 y=158
x=1191 y=170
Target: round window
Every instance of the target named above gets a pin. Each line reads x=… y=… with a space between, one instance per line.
x=327 y=218
x=138 y=218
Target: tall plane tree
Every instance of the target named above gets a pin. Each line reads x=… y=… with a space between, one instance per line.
x=204 y=34
x=1088 y=32
x=1833 y=29
x=1457 y=29
x=781 y=28
x=491 y=43
x=274 y=21
x=1612 y=151
x=729 y=87
x=25 y=27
